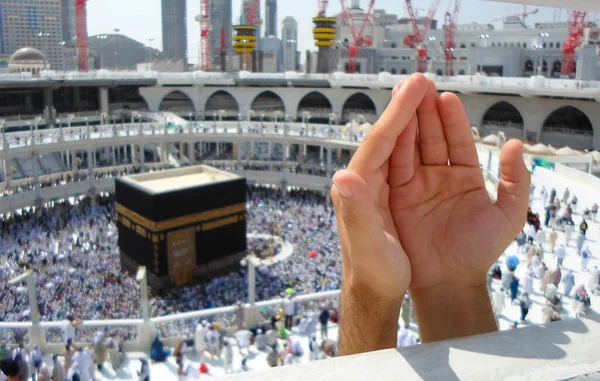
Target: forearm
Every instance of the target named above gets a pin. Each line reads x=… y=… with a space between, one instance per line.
x=447 y=312
x=367 y=323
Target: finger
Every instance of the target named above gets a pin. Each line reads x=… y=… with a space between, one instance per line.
x=381 y=140
x=354 y=209
x=402 y=162
x=396 y=88
x=513 y=188
x=432 y=139
x=461 y=145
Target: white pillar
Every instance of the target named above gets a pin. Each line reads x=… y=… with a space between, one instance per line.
x=321 y=153
x=251 y=314
x=104 y=109
x=191 y=152
x=142 y=157
x=114 y=156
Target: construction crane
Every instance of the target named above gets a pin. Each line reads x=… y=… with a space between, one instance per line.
x=450 y=20
x=522 y=15
x=358 y=39
x=417 y=39
x=324 y=35
x=576 y=24
x=245 y=36
x=82 y=35
x=205 y=32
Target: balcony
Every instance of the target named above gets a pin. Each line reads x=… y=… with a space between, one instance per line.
x=558 y=351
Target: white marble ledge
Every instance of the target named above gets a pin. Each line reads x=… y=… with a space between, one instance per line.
x=559 y=351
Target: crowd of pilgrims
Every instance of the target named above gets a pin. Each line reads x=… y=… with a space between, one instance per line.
x=72 y=247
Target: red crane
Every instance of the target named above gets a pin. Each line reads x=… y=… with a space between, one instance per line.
x=251 y=10
x=522 y=15
x=322 y=7
x=416 y=40
x=574 y=40
x=450 y=21
x=205 y=32
x=82 y=35
x=358 y=39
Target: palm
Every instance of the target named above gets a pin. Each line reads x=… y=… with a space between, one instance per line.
x=449 y=227
x=448 y=224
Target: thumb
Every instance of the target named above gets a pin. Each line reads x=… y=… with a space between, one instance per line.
x=352 y=200
x=513 y=188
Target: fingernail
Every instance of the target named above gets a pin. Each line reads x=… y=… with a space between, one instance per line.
x=399 y=87
x=344 y=191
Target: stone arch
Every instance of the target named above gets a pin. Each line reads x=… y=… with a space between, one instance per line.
x=394 y=71
x=568 y=119
x=359 y=104
x=267 y=103
x=317 y=104
x=403 y=71
x=177 y=101
x=528 y=65
x=461 y=72
x=440 y=72
x=502 y=115
x=221 y=100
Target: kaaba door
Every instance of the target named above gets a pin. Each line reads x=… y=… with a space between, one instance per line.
x=182 y=255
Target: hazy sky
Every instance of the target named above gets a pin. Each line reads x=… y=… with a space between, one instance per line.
x=140 y=19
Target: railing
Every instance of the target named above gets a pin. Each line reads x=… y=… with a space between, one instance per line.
x=138 y=334
x=336 y=79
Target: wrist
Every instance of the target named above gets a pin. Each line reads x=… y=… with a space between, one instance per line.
x=368 y=322
x=448 y=311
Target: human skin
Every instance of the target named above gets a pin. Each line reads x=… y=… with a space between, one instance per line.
x=413 y=214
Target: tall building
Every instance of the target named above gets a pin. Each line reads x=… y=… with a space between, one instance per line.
x=69 y=21
x=174 y=29
x=289 y=39
x=34 y=23
x=270 y=18
x=221 y=20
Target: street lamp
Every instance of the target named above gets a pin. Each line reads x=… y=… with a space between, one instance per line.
x=543 y=36
x=117 y=30
x=484 y=38
x=28 y=278
x=432 y=49
x=150 y=40
x=251 y=262
x=142 y=278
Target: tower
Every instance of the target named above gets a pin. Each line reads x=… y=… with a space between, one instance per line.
x=270 y=18
x=289 y=39
x=174 y=29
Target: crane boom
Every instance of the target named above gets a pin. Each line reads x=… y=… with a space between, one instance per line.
x=450 y=21
x=205 y=32
x=357 y=37
x=574 y=40
x=82 y=35
x=322 y=7
x=523 y=15
x=417 y=38
x=251 y=9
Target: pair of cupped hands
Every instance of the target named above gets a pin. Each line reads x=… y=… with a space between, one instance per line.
x=413 y=214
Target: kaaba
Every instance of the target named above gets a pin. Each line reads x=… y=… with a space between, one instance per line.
x=181 y=224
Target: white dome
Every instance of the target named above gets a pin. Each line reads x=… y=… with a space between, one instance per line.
x=541 y=149
x=490 y=139
x=567 y=151
x=27 y=55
